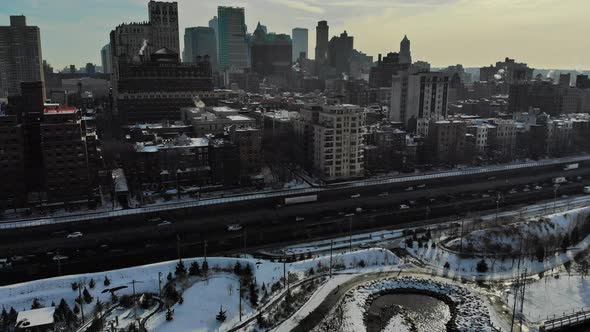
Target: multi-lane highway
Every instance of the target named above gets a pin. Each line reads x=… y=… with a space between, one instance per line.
x=113 y=243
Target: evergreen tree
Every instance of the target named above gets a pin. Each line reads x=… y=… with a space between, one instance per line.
x=311 y=271
x=194 y=269
x=92 y=283
x=540 y=253
x=568 y=266
x=180 y=270
x=447 y=265
x=169 y=276
x=86 y=295
x=309 y=255
x=114 y=298
x=221 y=315
x=181 y=300
x=106 y=281
x=36 y=304
x=205 y=267
x=99 y=306
x=12 y=316
x=248 y=271
x=52 y=304
x=575 y=235
x=482 y=266
x=3 y=319
x=238 y=268
x=75 y=286
x=253 y=295
x=362 y=263
x=76 y=309
x=169 y=315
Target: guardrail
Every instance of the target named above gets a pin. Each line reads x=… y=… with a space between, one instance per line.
x=567 y=320
x=278 y=193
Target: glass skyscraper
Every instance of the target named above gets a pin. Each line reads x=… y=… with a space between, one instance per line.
x=233 y=52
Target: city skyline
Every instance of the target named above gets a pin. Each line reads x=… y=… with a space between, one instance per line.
x=492 y=29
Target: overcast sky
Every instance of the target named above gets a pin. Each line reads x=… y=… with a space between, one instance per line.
x=544 y=33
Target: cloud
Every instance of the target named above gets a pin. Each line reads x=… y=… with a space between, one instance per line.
x=300 y=5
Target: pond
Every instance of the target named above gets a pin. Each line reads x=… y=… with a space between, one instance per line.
x=427 y=313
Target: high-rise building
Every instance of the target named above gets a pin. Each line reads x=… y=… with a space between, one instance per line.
x=106 y=59
x=198 y=42
x=213 y=25
x=381 y=74
x=163 y=16
x=419 y=96
x=321 y=43
x=233 y=52
x=21 y=59
x=564 y=80
x=271 y=53
x=299 y=36
x=508 y=71
x=582 y=82
x=12 y=162
x=405 y=55
x=334 y=138
x=340 y=51
x=90 y=68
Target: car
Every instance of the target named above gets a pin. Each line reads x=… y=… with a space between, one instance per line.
x=59 y=258
x=538 y=188
x=492 y=178
x=155 y=219
x=526 y=190
x=349 y=215
x=299 y=219
x=564 y=196
x=234 y=227
x=355 y=196
x=384 y=194
x=365 y=245
x=74 y=235
x=358 y=210
x=403 y=207
x=409 y=189
x=165 y=223
x=485 y=196
x=513 y=191
x=421 y=186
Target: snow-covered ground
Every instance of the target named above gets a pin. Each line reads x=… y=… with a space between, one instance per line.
x=206 y=293
x=502 y=266
x=471 y=311
x=550 y=296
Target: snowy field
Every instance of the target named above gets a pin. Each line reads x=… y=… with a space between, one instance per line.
x=501 y=266
x=565 y=294
x=202 y=300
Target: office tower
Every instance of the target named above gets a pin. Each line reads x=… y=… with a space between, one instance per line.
x=299 y=36
x=386 y=67
x=582 y=82
x=333 y=137
x=198 y=42
x=233 y=52
x=213 y=25
x=106 y=59
x=271 y=53
x=340 y=51
x=419 y=96
x=321 y=43
x=405 y=55
x=564 y=81
x=20 y=55
x=90 y=69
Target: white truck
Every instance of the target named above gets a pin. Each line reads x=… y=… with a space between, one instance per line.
x=301 y=199
x=570 y=167
x=559 y=180
x=587 y=190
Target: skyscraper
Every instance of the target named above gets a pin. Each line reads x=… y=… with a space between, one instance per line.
x=20 y=55
x=271 y=53
x=321 y=42
x=233 y=52
x=164 y=19
x=106 y=59
x=213 y=25
x=340 y=51
x=299 y=43
x=405 y=55
x=200 y=41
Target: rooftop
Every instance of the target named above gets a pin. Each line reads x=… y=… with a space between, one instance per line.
x=35 y=317
x=238 y=118
x=60 y=110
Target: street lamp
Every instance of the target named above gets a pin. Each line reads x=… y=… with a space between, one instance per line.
x=556 y=187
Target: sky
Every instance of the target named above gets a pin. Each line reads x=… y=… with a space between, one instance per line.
x=543 y=33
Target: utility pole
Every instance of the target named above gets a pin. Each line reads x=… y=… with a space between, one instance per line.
x=285 y=271
x=58 y=262
x=517 y=285
x=80 y=284
x=205 y=250
x=522 y=298
x=331 y=246
x=245 y=237
x=350 y=232
x=555 y=197
x=462 y=232
x=160 y=284
x=178 y=244
x=240 y=296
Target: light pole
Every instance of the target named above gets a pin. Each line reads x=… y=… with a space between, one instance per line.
x=556 y=187
x=498 y=199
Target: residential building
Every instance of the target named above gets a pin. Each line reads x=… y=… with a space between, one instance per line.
x=249 y=143
x=447 y=142
x=13 y=190
x=21 y=59
x=335 y=140
x=416 y=96
x=582 y=82
x=381 y=74
x=233 y=52
x=508 y=71
x=154 y=90
x=536 y=94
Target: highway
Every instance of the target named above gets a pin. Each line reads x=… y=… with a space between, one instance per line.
x=109 y=244
x=324 y=191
